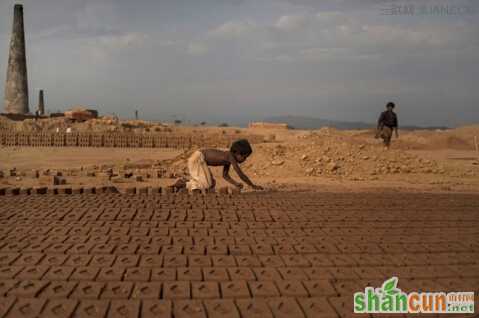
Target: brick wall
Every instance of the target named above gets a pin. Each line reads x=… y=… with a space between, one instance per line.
x=121 y=140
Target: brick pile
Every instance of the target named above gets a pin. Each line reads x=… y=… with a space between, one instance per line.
x=120 y=140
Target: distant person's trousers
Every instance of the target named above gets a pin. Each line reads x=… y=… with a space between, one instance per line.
x=386 y=134
x=200 y=175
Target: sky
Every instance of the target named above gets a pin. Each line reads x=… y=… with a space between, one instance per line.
x=233 y=60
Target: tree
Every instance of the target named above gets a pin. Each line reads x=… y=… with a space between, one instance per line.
x=223 y=125
x=177 y=121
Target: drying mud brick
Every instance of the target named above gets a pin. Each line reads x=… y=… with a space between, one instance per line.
x=26 y=307
x=5 y=304
x=91 y=309
x=189 y=309
x=255 y=308
x=122 y=308
x=177 y=290
x=254 y=255
x=59 y=308
x=120 y=140
x=156 y=309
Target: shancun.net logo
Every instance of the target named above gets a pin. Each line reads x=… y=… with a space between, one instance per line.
x=390 y=299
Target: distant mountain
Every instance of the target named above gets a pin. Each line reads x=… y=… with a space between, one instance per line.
x=300 y=122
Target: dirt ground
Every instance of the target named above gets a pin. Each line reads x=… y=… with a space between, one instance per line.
x=326 y=160
x=27 y=158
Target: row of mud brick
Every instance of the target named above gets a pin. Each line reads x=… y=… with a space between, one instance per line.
x=159 y=267
x=13 y=191
x=163 y=287
x=118 y=140
x=105 y=287
x=277 y=307
x=231 y=299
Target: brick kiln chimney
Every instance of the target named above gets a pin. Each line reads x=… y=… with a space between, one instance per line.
x=16 y=86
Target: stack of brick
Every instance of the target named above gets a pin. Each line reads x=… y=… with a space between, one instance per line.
x=121 y=140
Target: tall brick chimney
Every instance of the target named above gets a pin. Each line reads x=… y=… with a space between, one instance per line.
x=41 y=103
x=16 y=86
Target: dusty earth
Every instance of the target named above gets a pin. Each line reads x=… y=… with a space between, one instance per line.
x=324 y=159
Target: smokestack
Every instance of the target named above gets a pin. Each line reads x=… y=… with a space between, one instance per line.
x=16 y=86
x=41 y=103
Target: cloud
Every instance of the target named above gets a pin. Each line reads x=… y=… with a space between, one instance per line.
x=291 y=22
x=197 y=48
x=104 y=47
x=333 y=18
x=324 y=54
x=166 y=43
x=127 y=40
x=90 y=19
x=232 y=29
x=331 y=35
x=221 y=36
x=99 y=16
x=282 y=58
x=96 y=29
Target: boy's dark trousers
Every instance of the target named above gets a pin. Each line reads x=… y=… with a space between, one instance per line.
x=386 y=134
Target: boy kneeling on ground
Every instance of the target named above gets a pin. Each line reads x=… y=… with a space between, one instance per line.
x=200 y=175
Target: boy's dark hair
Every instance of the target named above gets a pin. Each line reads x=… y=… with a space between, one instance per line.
x=390 y=104
x=241 y=147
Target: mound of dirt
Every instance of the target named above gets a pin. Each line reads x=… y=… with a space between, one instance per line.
x=327 y=153
x=334 y=156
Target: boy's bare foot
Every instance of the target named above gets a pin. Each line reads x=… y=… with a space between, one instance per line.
x=179 y=184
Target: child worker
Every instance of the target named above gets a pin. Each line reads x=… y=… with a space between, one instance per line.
x=201 y=178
